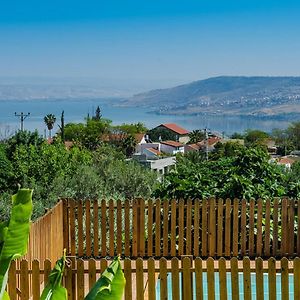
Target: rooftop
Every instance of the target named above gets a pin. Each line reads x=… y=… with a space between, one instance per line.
x=177 y=129
x=172 y=143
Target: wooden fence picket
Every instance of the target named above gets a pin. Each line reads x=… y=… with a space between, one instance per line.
x=247 y=278
x=103 y=228
x=139 y=279
x=222 y=279
x=150 y=229
x=199 y=278
x=88 y=228
x=80 y=279
x=151 y=278
x=234 y=278
x=204 y=228
x=196 y=229
x=272 y=278
x=185 y=281
x=175 y=279
x=111 y=228
x=92 y=272
x=80 y=228
x=128 y=278
x=95 y=228
x=259 y=278
x=284 y=278
x=210 y=279
x=36 y=280
x=163 y=278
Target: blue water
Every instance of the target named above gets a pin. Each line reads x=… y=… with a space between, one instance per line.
x=76 y=111
x=229 y=292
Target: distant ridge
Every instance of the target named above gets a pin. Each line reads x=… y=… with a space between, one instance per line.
x=257 y=95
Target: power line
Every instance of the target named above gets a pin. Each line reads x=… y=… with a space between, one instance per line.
x=22 y=117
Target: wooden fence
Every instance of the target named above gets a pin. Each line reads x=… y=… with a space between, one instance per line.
x=46 y=236
x=204 y=228
x=170 y=279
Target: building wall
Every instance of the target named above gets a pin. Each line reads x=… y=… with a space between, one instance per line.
x=171 y=150
x=162 y=166
x=150 y=145
x=184 y=139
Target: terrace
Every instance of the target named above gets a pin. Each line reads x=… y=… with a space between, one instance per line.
x=192 y=249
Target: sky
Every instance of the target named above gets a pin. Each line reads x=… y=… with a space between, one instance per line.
x=147 y=44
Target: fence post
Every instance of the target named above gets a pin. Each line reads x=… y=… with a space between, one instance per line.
x=65 y=226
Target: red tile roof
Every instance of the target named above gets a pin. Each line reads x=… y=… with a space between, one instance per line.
x=138 y=137
x=210 y=141
x=193 y=146
x=286 y=160
x=121 y=136
x=177 y=129
x=172 y=143
x=154 y=151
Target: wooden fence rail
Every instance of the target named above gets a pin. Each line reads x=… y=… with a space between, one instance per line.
x=46 y=239
x=186 y=227
x=170 y=279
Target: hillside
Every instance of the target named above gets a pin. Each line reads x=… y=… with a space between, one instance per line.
x=260 y=96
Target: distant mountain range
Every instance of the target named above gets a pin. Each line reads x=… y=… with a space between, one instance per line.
x=225 y=95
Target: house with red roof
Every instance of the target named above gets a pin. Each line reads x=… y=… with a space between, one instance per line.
x=286 y=161
x=181 y=133
x=172 y=147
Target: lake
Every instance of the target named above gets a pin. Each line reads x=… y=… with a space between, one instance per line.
x=76 y=111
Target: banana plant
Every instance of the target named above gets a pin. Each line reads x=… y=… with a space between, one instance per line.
x=14 y=235
x=54 y=290
x=110 y=286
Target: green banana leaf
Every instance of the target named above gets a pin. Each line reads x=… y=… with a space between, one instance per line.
x=54 y=290
x=5 y=296
x=14 y=235
x=110 y=285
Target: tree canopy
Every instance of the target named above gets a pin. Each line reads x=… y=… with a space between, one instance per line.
x=247 y=174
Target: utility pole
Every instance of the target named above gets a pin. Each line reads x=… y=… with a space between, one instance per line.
x=22 y=117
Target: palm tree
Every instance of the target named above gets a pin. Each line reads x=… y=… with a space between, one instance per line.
x=196 y=136
x=129 y=144
x=49 y=121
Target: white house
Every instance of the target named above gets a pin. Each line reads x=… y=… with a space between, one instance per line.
x=172 y=147
x=181 y=133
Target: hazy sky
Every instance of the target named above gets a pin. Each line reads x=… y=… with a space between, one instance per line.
x=149 y=43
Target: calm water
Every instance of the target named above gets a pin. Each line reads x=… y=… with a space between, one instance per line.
x=228 y=284
x=76 y=111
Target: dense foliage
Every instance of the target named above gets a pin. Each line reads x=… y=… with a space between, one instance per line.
x=161 y=134
x=14 y=235
x=246 y=174
x=54 y=171
x=95 y=165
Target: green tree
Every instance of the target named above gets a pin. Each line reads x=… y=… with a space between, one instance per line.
x=293 y=134
x=89 y=135
x=62 y=126
x=134 y=128
x=6 y=170
x=164 y=134
x=237 y=136
x=50 y=121
x=249 y=174
x=255 y=137
x=98 y=114
x=25 y=138
x=196 y=136
x=228 y=149
x=128 y=144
